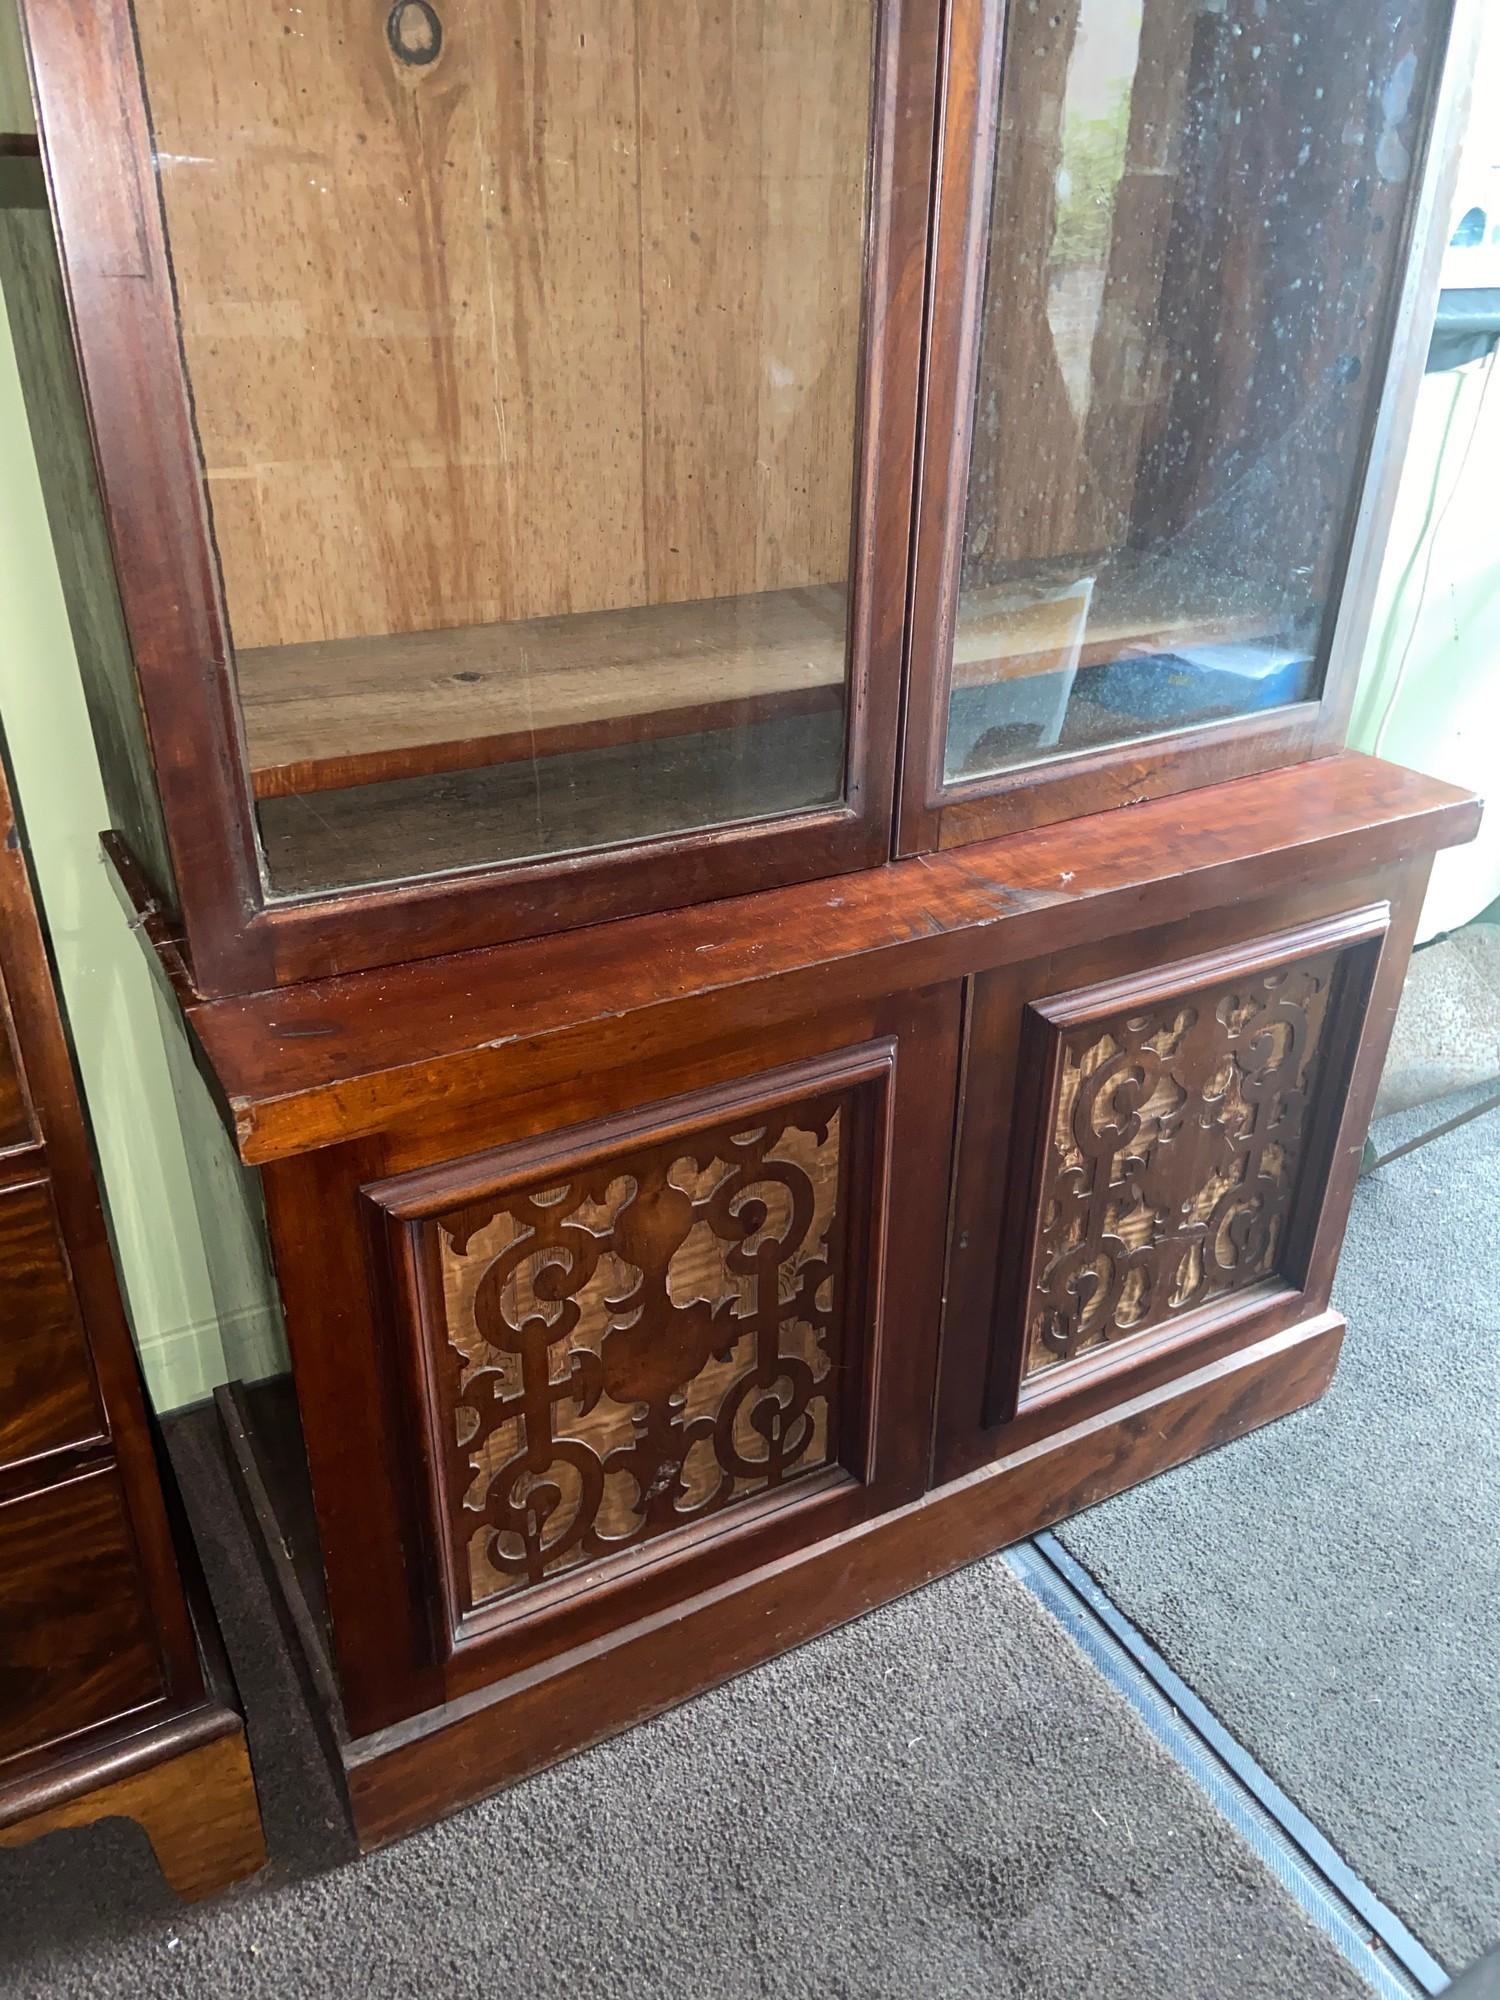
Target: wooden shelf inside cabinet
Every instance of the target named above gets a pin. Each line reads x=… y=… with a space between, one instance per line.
x=335 y=714
x=1105 y=606
x=338 y=713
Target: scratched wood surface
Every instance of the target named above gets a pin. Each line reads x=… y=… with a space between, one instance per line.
x=329 y=1059
x=563 y=319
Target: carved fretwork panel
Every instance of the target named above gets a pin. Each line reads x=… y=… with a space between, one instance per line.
x=639 y=1342
x=1173 y=1137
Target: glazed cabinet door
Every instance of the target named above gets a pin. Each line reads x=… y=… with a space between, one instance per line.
x=1159 y=1140
x=616 y=1341
x=1179 y=311
x=499 y=412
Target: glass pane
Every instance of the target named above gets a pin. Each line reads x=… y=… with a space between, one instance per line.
x=523 y=347
x=1194 y=238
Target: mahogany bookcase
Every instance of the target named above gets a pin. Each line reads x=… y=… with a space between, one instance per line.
x=721 y=639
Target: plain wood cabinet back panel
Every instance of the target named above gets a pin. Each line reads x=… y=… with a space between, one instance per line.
x=562 y=317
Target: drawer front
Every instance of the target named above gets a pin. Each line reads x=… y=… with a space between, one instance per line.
x=1144 y=1172
x=75 y=1640
x=47 y=1394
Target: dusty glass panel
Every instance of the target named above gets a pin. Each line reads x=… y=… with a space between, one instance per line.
x=523 y=349
x=1194 y=240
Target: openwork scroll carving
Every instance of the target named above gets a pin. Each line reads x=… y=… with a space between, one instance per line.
x=1175 y=1137
x=641 y=1342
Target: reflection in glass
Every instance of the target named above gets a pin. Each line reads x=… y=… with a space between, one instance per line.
x=1194 y=235
x=523 y=349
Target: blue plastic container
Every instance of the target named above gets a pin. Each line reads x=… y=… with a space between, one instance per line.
x=1233 y=678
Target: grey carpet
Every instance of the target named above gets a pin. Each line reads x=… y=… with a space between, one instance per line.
x=944 y=1799
x=1331 y=1586
x=1447 y=1032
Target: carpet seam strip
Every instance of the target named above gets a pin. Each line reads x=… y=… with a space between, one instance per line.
x=1318 y=1851
x=1369 y=1935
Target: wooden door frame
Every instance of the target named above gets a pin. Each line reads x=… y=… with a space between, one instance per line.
x=96 y=141
x=985 y=1406
x=933 y=814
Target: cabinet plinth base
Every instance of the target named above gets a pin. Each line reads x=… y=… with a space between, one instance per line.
x=187 y=1783
x=405 y=1777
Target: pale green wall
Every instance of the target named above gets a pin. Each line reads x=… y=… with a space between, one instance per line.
x=187 y=1237
x=1429 y=694
x=15 y=98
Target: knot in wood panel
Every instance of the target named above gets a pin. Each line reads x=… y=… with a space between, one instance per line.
x=415 y=33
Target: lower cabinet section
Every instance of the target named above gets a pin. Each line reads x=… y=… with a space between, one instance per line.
x=645 y=1354
x=759 y=1270
x=402 y=1778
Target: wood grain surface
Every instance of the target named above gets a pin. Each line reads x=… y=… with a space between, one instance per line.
x=566 y=318
x=16 y=1128
x=338 y=1057
x=344 y=712
x=47 y=1395
x=76 y=1646
x=338 y=713
x=198 y=1809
